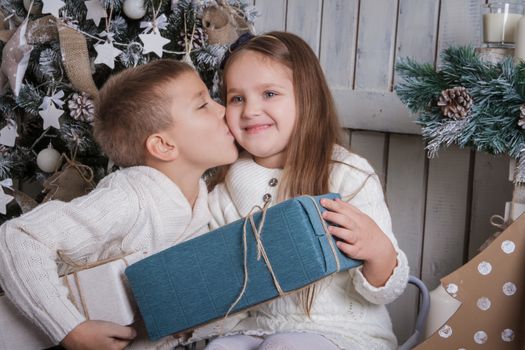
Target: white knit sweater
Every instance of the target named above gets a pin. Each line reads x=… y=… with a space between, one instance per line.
x=347 y=309
x=135 y=209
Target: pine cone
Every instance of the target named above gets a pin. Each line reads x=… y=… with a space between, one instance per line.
x=199 y=38
x=521 y=121
x=455 y=103
x=81 y=107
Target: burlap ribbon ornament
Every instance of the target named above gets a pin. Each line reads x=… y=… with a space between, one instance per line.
x=72 y=181
x=42 y=30
x=75 y=56
x=223 y=23
x=73 y=47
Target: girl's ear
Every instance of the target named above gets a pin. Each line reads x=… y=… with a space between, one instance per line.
x=161 y=147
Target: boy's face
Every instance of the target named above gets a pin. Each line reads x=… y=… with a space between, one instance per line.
x=199 y=130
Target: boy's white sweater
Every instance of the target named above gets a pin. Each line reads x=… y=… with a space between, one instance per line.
x=135 y=209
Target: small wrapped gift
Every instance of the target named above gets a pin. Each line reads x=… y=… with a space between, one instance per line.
x=99 y=291
x=248 y=262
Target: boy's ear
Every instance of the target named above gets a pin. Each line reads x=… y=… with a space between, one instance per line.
x=161 y=147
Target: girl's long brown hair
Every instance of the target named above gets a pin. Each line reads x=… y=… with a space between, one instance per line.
x=317 y=129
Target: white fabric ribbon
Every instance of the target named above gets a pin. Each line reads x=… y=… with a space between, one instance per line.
x=108 y=35
x=160 y=22
x=56 y=98
x=7 y=183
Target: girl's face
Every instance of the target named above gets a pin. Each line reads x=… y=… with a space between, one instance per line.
x=260 y=106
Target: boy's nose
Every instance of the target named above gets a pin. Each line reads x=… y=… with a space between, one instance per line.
x=221 y=110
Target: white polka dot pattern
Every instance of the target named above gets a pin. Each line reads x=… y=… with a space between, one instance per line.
x=480 y=337
x=509 y=289
x=484 y=303
x=508 y=247
x=445 y=331
x=507 y=335
x=452 y=289
x=484 y=268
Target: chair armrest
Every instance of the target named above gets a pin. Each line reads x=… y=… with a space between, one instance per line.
x=424 y=306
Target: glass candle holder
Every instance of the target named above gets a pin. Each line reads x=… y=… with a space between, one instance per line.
x=500 y=20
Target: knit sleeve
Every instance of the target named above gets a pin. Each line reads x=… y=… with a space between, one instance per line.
x=357 y=183
x=81 y=229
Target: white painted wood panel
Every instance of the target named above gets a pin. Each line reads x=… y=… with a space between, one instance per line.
x=460 y=23
x=304 y=19
x=272 y=15
x=417 y=30
x=490 y=191
x=405 y=196
x=375 y=45
x=372 y=146
x=338 y=37
x=446 y=214
x=373 y=110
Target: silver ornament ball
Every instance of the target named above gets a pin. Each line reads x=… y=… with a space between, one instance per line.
x=134 y=9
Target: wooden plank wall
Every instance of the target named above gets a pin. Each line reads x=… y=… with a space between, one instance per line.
x=440 y=207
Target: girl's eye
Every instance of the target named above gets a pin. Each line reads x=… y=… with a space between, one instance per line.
x=203 y=105
x=236 y=99
x=269 y=94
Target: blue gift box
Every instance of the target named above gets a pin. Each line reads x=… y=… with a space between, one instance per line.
x=197 y=281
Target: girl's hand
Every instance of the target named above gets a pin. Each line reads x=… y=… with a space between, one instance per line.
x=361 y=238
x=98 y=335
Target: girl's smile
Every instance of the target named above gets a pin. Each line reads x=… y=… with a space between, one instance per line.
x=257 y=128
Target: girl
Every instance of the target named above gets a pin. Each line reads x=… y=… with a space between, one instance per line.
x=280 y=110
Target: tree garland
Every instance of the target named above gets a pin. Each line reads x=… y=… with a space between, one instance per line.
x=469 y=102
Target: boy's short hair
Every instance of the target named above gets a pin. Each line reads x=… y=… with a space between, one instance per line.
x=131 y=106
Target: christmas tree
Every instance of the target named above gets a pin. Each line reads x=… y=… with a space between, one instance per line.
x=55 y=56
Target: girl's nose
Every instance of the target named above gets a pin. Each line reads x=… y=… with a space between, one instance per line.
x=251 y=108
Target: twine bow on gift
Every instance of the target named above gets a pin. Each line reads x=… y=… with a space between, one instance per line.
x=76 y=267
x=261 y=251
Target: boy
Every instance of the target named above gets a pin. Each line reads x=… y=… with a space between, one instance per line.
x=159 y=123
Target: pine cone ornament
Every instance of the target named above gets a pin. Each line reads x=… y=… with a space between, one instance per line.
x=521 y=121
x=199 y=38
x=455 y=103
x=4 y=151
x=81 y=107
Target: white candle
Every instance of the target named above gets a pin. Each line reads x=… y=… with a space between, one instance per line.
x=500 y=27
x=520 y=44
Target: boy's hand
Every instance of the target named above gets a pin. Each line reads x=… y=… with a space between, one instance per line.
x=99 y=335
x=361 y=238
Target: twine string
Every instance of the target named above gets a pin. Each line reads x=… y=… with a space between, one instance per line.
x=261 y=251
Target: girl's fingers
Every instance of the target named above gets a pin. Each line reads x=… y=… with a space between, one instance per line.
x=348 y=249
x=338 y=205
x=347 y=236
x=339 y=219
